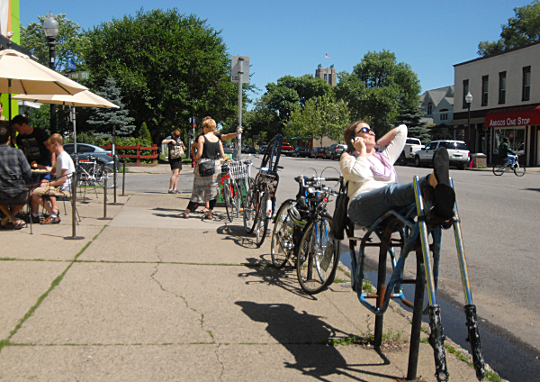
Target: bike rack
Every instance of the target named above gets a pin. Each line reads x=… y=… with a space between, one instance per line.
x=414 y=229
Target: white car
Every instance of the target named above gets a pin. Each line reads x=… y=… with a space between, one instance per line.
x=458 y=152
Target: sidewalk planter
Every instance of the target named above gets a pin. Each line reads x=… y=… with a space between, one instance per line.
x=479 y=160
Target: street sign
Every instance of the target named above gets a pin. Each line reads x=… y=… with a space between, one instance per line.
x=235 y=67
x=71 y=65
x=79 y=75
x=192 y=120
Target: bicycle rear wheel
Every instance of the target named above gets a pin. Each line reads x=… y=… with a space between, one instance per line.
x=228 y=198
x=318 y=256
x=498 y=169
x=519 y=169
x=261 y=221
x=282 y=236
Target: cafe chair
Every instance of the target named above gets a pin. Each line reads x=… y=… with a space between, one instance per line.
x=6 y=203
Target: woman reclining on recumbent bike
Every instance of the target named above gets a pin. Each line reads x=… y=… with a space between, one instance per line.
x=373 y=186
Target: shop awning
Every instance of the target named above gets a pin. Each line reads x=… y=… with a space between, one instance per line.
x=518 y=116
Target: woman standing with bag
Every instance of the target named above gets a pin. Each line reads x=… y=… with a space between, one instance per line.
x=176 y=151
x=205 y=181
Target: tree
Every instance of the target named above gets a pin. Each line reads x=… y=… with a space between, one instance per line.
x=169 y=67
x=413 y=119
x=322 y=116
x=103 y=120
x=69 y=43
x=378 y=89
x=521 y=30
x=289 y=93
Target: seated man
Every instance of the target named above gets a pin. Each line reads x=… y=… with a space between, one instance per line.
x=14 y=173
x=61 y=186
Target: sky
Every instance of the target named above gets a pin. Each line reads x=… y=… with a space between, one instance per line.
x=293 y=37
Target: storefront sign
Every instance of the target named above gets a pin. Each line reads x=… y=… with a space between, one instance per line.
x=513 y=117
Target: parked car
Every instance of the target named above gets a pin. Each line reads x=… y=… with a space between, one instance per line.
x=335 y=151
x=317 y=152
x=412 y=145
x=85 y=150
x=300 y=152
x=286 y=148
x=248 y=150
x=458 y=152
x=262 y=149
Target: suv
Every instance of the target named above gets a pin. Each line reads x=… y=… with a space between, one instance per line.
x=458 y=152
x=286 y=148
x=335 y=151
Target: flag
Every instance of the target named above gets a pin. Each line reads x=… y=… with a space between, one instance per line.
x=327 y=56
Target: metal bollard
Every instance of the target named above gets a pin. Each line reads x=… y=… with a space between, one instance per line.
x=74 y=181
x=123 y=176
x=105 y=200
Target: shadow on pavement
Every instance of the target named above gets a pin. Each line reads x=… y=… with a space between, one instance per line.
x=307 y=338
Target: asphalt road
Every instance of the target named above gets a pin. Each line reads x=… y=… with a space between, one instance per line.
x=500 y=230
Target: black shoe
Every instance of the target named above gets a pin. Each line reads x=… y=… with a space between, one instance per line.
x=444 y=193
x=36 y=219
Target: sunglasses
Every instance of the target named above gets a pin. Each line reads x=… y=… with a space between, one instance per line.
x=365 y=130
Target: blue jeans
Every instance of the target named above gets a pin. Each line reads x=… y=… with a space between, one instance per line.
x=511 y=158
x=364 y=209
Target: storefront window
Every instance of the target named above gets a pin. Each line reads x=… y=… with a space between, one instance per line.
x=516 y=137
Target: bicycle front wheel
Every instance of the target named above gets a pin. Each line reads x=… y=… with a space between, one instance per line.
x=228 y=199
x=282 y=235
x=519 y=169
x=249 y=210
x=261 y=221
x=498 y=169
x=318 y=256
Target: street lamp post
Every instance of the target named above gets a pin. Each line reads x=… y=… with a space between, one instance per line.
x=50 y=27
x=468 y=100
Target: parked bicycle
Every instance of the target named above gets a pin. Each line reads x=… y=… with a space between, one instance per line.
x=236 y=183
x=301 y=232
x=260 y=199
x=519 y=169
x=91 y=172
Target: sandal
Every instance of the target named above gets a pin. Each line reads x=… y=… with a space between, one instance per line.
x=183 y=215
x=208 y=215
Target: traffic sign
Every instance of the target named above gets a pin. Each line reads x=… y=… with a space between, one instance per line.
x=235 y=68
x=79 y=75
x=71 y=65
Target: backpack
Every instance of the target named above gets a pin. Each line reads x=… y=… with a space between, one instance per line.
x=339 y=220
x=176 y=152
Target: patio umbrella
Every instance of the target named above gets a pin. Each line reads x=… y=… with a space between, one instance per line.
x=83 y=99
x=19 y=74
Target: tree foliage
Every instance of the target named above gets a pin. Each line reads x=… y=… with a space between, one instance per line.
x=322 y=116
x=521 y=30
x=378 y=89
x=104 y=120
x=290 y=92
x=169 y=67
x=413 y=119
x=69 y=42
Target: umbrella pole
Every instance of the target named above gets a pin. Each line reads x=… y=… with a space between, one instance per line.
x=74 y=120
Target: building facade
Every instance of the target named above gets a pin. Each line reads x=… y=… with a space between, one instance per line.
x=329 y=75
x=506 y=102
x=438 y=105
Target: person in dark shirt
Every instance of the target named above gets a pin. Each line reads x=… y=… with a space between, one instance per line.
x=32 y=140
x=14 y=173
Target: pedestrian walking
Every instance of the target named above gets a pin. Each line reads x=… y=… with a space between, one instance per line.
x=176 y=152
x=207 y=170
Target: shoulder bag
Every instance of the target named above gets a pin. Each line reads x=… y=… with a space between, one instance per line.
x=207 y=168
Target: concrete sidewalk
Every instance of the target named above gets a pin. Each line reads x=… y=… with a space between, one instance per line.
x=147 y=296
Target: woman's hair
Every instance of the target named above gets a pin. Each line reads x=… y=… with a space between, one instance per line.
x=209 y=123
x=349 y=134
x=176 y=133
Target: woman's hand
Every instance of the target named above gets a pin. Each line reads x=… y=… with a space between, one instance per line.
x=359 y=145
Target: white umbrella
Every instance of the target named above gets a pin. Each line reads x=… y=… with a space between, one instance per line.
x=83 y=99
x=19 y=74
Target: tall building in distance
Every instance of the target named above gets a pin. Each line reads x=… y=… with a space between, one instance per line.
x=329 y=75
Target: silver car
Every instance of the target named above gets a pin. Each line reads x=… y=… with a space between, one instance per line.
x=85 y=150
x=458 y=152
